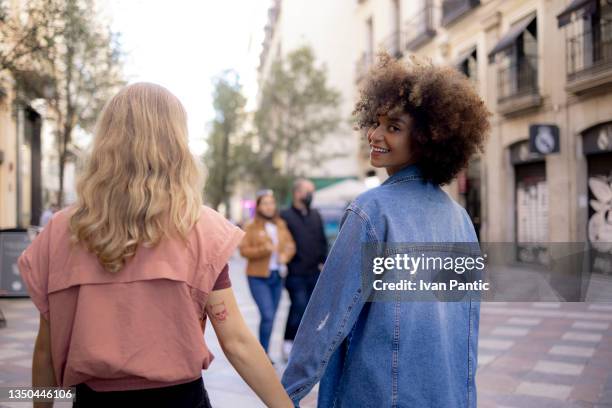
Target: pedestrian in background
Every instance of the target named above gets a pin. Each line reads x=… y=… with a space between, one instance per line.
x=45 y=217
x=268 y=247
x=306 y=227
x=125 y=278
x=423 y=124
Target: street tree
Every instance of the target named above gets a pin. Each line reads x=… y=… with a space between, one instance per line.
x=225 y=154
x=27 y=32
x=297 y=110
x=85 y=69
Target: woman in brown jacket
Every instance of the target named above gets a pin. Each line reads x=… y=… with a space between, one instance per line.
x=268 y=247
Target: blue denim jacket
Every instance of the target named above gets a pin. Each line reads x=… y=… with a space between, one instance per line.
x=387 y=354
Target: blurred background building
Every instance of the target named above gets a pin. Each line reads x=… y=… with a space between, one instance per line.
x=544 y=69
x=53 y=81
x=28 y=158
x=328 y=28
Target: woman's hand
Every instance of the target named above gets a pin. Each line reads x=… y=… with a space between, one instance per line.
x=243 y=350
x=270 y=246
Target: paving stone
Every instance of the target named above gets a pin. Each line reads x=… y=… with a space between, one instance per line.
x=582 y=336
x=524 y=321
x=546 y=390
x=601 y=307
x=484 y=359
x=573 y=351
x=510 y=331
x=590 y=325
x=11 y=353
x=495 y=344
x=554 y=367
x=22 y=335
x=547 y=305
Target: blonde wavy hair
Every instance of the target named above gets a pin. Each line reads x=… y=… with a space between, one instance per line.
x=141 y=182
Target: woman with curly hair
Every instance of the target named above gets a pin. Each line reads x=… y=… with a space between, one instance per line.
x=423 y=123
x=125 y=278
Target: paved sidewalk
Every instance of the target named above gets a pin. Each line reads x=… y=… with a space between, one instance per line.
x=545 y=355
x=531 y=355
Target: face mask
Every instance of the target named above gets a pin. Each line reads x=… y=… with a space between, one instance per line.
x=307 y=200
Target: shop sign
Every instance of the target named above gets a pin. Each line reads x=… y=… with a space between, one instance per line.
x=544 y=139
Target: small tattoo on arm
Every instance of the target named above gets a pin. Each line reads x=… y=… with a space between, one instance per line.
x=217 y=311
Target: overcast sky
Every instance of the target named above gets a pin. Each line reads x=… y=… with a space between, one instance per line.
x=182 y=44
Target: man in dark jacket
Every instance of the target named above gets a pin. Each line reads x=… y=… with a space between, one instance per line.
x=306 y=227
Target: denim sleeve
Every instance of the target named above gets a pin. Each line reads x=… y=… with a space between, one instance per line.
x=333 y=308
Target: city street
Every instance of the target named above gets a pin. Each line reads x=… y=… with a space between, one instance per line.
x=531 y=355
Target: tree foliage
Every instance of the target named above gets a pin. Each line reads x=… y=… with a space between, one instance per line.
x=86 y=69
x=297 y=110
x=27 y=34
x=226 y=151
x=60 y=50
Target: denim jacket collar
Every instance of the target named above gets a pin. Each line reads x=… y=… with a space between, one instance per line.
x=411 y=172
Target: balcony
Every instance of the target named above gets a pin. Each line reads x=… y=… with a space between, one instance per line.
x=392 y=44
x=589 y=59
x=420 y=28
x=518 y=87
x=453 y=9
x=362 y=66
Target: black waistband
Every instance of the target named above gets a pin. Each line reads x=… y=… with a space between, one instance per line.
x=191 y=394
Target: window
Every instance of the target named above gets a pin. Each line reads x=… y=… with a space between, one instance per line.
x=517 y=57
x=589 y=37
x=468 y=64
x=419 y=29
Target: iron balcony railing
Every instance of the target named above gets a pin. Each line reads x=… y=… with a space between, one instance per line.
x=420 y=28
x=518 y=79
x=453 y=9
x=589 y=51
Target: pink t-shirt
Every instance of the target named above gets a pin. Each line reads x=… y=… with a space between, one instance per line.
x=135 y=329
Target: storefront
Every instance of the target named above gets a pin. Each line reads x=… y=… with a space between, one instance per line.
x=469 y=187
x=597 y=147
x=530 y=203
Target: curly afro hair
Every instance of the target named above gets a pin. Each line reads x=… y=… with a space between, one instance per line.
x=450 y=120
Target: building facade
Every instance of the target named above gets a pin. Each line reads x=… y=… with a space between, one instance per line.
x=543 y=67
x=29 y=175
x=324 y=26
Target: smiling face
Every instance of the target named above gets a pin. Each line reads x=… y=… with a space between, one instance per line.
x=389 y=140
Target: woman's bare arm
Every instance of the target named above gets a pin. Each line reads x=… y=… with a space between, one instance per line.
x=42 y=364
x=243 y=350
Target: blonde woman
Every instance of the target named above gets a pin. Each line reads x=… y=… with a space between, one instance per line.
x=268 y=246
x=125 y=278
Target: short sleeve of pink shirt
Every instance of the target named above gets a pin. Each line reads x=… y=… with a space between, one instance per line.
x=137 y=328
x=34 y=266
